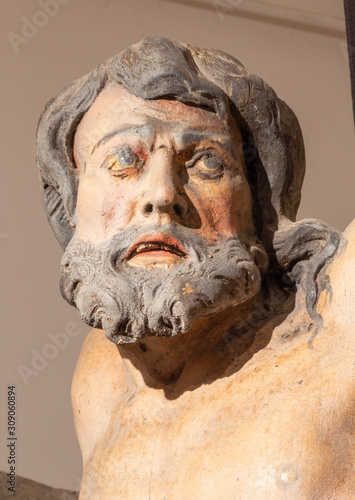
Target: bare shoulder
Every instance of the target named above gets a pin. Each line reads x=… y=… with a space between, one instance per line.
x=338 y=305
x=343 y=266
x=97 y=384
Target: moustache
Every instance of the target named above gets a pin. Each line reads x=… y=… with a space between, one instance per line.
x=125 y=300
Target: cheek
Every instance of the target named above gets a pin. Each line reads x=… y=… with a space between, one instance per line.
x=103 y=208
x=225 y=208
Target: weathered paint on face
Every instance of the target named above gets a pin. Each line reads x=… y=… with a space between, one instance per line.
x=155 y=162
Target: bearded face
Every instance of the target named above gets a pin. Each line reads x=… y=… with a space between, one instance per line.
x=164 y=231
x=131 y=302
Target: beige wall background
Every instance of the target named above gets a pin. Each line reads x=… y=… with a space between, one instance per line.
x=298 y=46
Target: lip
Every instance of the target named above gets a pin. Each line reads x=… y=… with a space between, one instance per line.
x=163 y=244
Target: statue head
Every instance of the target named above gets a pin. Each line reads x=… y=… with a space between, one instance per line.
x=171 y=176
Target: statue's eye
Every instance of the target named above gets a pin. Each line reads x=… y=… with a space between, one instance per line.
x=123 y=159
x=210 y=163
x=207 y=164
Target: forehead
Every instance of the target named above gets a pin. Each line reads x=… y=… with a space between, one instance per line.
x=115 y=106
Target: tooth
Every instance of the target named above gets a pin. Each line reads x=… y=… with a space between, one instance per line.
x=157 y=246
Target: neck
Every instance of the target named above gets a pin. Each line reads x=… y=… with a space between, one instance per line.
x=199 y=356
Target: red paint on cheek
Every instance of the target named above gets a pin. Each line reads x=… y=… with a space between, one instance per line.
x=236 y=215
x=117 y=210
x=225 y=209
x=108 y=214
x=103 y=207
x=224 y=221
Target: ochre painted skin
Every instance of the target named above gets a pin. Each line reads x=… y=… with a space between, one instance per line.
x=204 y=416
x=153 y=162
x=278 y=424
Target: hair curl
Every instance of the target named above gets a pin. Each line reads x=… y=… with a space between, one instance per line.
x=273 y=145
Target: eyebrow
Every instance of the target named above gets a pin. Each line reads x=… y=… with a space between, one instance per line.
x=145 y=130
x=181 y=139
x=192 y=136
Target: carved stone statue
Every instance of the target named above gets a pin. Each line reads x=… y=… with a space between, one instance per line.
x=221 y=363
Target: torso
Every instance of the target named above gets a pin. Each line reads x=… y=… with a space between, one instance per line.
x=281 y=427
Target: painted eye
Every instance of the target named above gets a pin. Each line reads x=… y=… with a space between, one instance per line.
x=207 y=165
x=124 y=159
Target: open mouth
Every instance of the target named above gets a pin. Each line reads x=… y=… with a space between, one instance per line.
x=156 y=246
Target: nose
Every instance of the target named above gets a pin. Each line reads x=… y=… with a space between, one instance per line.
x=163 y=187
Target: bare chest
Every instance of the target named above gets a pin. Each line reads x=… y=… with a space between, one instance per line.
x=273 y=436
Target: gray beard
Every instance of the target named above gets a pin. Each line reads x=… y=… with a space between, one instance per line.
x=130 y=303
